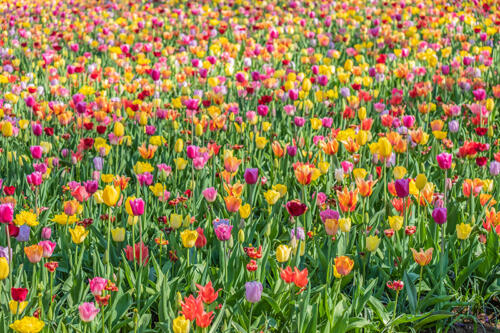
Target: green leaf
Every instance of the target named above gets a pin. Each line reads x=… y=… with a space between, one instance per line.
x=379 y=309
x=355 y=323
x=411 y=291
x=465 y=273
x=432 y=317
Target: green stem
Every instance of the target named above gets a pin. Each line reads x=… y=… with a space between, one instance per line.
x=250 y=319
x=420 y=285
x=395 y=306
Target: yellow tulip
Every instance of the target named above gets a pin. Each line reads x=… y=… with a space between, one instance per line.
x=78 y=234
x=4 y=268
x=175 y=221
x=396 y=222
x=7 y=129
x=241 y=236
x=110 y=195
x=118 y=234
x=179 y=145
x=180 y=325
x=420 y=181
x=17 y=307
x=345 y=224
x=118 y=129
x=180 y=163
x=245 y=211
x=384 y=147
x=128 y=209
x=463 y=231
x=399 y=172
x=372 y=243
x=271 y=196
x=189 y=238
x=283 y=253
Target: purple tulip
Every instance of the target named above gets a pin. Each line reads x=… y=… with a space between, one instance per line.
x=24 y=233
x=46 y=233
x=439 y=215
x=494 y=168
x=329 y=214
x=291 y=151
x=453 y=126
x=251 y=175
x=253 y=291
x=402 y=187
x=37 y=129
x=91 y=186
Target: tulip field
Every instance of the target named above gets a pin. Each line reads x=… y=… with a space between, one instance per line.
x=249 y=166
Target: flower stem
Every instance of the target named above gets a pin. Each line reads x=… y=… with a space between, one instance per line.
x=250 y=319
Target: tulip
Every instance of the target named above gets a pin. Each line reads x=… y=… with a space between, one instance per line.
x=18 y=294
x=422 y=258
x=118 y=234
x=34 y=179
x=4 y=268
x=372 y=243
x=175 y=221
x=110 y=195
x=134 y=253
x=396 y=222
x=78 y=234
x=88 y=311
x=331 y=226
x=189 y=238
x=402 y=187
x=345 y=224
x=283 y=253
x=463 y=231
x=439 y=215
x=251 y=176
x=253 y=291
x=494 y=168
x=232 y=203
x=28 y=325
x=210 y=194
x=6 y=213
x=36 y=152
x=97 y=285
x=444 y=160
x=34 y=253
x=207 y=293
x=180 y=325
x=344 y=265
x=17 y=307
x=421 y=181
x=271 y=196
x=155 y=74
x=48 y=248
x=201 y=240
x=137 y=206
x=223 y=231
x=296 y=208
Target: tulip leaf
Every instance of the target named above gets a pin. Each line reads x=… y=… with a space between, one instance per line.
x=466 y=272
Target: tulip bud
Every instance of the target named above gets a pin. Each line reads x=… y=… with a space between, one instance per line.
x=241 y=236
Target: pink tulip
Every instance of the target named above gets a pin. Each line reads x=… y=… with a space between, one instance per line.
x=137 y=206
x=46 y=233
x=444 y=160
x=36 y=152
x=88 y=311
x=34 y=179
x=48 y=248
x=97 y=285
x=6 y=213
x=210 y=194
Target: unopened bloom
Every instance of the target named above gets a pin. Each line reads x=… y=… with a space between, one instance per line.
x=253 y=291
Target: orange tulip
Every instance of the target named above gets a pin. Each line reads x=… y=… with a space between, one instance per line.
x=475 y=186
x=303 y=172
x=231 y=164
x=423 y=257
x=232 y=203
x=484 y=198
x=34 y=253
x=121 y=182
x=344 y=265
x=277 y=149
x=365 y=188
x=147 y=153
x=351 y=145
x=331 y=147
x=347 y=199
x=234 y=190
